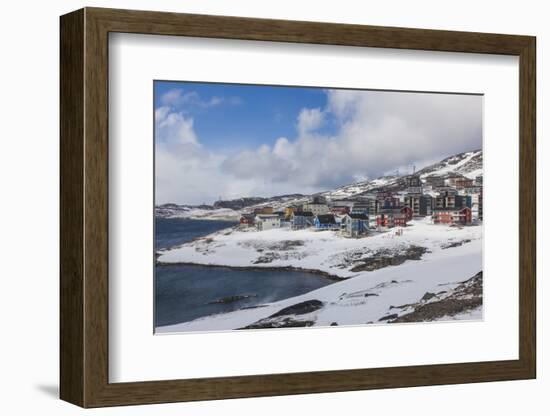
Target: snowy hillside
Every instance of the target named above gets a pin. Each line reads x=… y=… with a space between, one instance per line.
x=468 y=164
x=361 y=187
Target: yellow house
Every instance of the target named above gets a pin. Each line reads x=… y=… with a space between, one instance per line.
x=264 y=210
x=289 y=211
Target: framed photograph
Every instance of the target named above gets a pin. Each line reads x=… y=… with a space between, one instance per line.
x=256 y=207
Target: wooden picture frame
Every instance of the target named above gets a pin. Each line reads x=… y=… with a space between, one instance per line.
x=84 y=207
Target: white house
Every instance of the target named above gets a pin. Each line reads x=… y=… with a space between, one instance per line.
x=315 y=208
x=267 y=222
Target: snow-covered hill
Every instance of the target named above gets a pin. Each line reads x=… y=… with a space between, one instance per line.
x=468 y=164
x=360 y=188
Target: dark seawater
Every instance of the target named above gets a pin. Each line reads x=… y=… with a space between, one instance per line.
x=184 y=293
x=170 y=232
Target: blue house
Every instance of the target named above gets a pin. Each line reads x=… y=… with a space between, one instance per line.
x=325 y=222
x=355 y=225
x=301 y=219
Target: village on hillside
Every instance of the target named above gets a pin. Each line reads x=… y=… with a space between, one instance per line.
x=454 y=200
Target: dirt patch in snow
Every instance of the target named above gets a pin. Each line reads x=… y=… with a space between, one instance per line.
x=285 y=245
x=384 y=258
x=280 y=250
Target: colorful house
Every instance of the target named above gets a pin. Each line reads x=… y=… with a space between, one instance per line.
x=301 y=219
x=384 y=219
x=247 y=220
x=453 y=215
x=325 y=222
x=392 y=217
x=264 y=210
x=400 y=220
x=267 y=222
x=408 y=213
x=289 y=211
x=355 y=225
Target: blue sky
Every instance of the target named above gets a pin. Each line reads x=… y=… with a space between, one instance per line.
x=228 y=141
x=246 y=115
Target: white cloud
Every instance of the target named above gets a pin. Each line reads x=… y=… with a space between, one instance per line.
x=374 y=133
x=172 y=97
x=185 y=172
x=187 y=101
x=183 y=168
x=309 y=120
x=172 y=127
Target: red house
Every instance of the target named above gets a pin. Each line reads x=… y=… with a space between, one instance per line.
x=452 y=215
x=408 y=212
x=247 y=220
x=393 y=217
x=384 y=220
x=400 y=220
